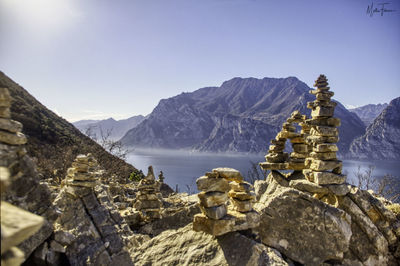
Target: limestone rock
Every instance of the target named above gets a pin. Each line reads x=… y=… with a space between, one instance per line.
x=233 y=221
x=187 y=247
x=260 y=186
x=229 y=173
x=17 y=225
x=10 y=125
x=326 y=178
x=302 y=227
x=242 y=186
x=216 y=212
x=207 y=184
x=12 y=138
x=211 y=199
x=305 y=185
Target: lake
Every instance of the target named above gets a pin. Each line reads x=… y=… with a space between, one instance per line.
x=182 y=168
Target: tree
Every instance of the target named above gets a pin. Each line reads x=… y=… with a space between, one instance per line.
x=387 y=186
x=115 y=147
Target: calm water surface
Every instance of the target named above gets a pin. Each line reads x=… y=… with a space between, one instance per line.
x=182 y=168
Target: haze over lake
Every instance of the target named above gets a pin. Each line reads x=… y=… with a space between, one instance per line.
x=182 y=168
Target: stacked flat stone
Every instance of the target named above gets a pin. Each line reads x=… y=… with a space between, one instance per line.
x=299 y=146
x=241 y=196
x=216 y=218
x=323 y=166
x=84 y=172
x=277 y=159
x=10 y=130
x=148 y=198
x=214 y=195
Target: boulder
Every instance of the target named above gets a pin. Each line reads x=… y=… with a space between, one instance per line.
x=303 y=228
x=187 y=247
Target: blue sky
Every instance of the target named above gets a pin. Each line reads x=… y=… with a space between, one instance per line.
x=102 y=58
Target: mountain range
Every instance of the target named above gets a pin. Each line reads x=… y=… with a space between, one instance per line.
x=241 y=115
x=382 y=137
x=115 y=129
x=369 y=112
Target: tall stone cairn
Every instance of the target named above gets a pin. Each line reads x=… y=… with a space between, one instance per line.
x=148 y=198
x=216 y=189
x=323 y=166
x=277 y=159
x=17 y=225
x=84 y=172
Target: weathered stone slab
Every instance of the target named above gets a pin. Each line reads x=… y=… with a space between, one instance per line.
x=324 y=131
x=241 y=205
x=276 y=148
x=10 y=125
x=5 y=112
x=242 y=186
x=323 y=155
x=148 y=204
x=276 y=157
x=300 y=148
x=233 y=221
x=319 y=165
x=242 y=195
x=12 y=138
x=229 y=173
x=17 y=225
x=298 y=155
x=212 y=198
x=274 y=166
x=208 y=184
x=325 y=147
x=324 y=121
x=305 y=185
x=322 y=139
x=287 y=135
x=339 y=190
x=216 y=212
x=302 y=227
x=327 y=178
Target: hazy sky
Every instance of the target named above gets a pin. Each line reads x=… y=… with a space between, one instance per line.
x=101 y=58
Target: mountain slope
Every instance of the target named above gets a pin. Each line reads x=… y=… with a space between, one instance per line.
x=382 y=137
x=369 y=112
x=116 y=128
x=243 y=114
x=52 y=140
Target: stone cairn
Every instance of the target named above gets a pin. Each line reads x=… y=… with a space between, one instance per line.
x=217 y=218
x=277 y=159
x=161 y=177
x=17 y=224
x=84 y=172
x=148 y=197
x=10 y=130
x=323 y=166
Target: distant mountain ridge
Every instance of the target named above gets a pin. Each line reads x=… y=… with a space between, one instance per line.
x=116 y=128
x=241 y=115
x=369 y=112
x=382 y=138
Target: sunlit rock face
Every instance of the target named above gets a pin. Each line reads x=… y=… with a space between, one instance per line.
x=382 y=137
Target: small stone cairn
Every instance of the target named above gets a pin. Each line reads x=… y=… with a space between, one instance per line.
x=324 y=168
x=84 y=172
x=148 y=197
x=277 y=159
x=17 y=225
x=217 y=218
